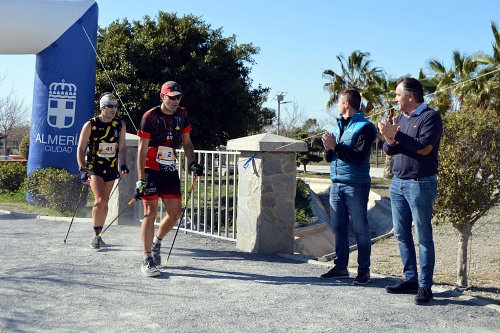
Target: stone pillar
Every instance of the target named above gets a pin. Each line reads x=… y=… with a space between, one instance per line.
x=122 y=195
x=266 y=192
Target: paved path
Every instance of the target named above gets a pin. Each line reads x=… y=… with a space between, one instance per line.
x=208 y=286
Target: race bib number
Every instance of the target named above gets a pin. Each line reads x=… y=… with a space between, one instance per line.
x=165 y=156
x=107 y=150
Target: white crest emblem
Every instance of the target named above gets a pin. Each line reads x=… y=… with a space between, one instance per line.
x=62 y=104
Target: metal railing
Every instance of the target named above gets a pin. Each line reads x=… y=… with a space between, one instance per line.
x=212 y=207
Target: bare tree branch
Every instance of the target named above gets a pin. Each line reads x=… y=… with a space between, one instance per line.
x=13 y=114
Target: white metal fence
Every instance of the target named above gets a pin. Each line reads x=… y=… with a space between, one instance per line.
x=212 y=206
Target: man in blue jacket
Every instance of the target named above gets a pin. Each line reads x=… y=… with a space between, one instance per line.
x=348 y=150
x=413 y=139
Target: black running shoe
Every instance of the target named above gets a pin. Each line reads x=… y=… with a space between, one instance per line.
x=95 y=243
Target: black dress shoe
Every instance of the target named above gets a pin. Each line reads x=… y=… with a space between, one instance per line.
x=403 y=287
x=335 y=274
x=424 y=296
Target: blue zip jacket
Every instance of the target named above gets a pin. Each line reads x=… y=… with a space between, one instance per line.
x=342 y=170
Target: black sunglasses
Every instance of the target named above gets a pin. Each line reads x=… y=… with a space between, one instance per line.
x=174 y=98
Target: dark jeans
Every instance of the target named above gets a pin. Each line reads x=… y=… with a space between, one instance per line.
x=413 y=200
x=350 y=200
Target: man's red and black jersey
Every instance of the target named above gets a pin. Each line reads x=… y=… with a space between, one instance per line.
x=162 y=130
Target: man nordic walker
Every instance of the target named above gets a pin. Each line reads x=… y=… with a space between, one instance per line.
x=104 y=139
x=160 y=133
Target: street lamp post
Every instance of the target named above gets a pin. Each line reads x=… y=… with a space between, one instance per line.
x=279 y=98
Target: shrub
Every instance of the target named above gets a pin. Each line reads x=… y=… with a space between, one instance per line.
x=55 y=188
x=303 y=208
x=33 y=184
x=24 y=146
x=12 y=176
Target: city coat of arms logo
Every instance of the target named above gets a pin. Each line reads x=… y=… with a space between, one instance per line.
x=62 y=104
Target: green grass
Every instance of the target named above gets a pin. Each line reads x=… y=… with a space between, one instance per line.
x=381 y=182
x=13 y=197
x=301 y=174
x=16 y=201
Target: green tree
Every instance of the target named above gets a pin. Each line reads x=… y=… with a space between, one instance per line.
x=311 y=126
x=264 y=119
x=377 y=91
x=452 y=87
x=488 y=90
x=24 y=146
x=356 y=72
x=213 y=71
x=469 y=174
x=383 y=90
x=313 y=153
x=437 y=86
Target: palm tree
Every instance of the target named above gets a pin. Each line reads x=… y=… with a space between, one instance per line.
x=387 y=88
x=488 y=92
x=437 y=87
x=356 y=73
x=455 y=87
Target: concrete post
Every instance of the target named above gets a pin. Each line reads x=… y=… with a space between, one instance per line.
x=121 y=197
x=266 y=192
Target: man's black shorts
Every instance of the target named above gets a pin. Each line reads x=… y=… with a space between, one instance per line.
x=106 y=175
x=165 y=185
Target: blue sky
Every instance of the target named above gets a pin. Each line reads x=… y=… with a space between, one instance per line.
x=298 y=40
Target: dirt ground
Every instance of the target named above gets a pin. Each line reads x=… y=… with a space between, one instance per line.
x=483 y=258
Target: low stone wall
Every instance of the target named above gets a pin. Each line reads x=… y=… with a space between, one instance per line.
x=317 y=240
x=13 y=158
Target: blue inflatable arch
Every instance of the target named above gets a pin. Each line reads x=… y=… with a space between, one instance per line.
x=62 y=34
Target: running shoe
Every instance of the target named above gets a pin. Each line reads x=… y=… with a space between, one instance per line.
x=96 y=242
x=149 y=268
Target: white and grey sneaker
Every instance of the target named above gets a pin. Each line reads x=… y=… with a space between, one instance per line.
x=149 y=268
x=97 y=242
x=155 y=251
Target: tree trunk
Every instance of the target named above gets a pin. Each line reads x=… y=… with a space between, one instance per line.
x=465 y=232
x=389 y=161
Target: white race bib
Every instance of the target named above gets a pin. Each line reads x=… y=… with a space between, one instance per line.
x=107 y=150
x=165 y=156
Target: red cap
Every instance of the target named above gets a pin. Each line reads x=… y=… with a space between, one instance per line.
x=170 y=88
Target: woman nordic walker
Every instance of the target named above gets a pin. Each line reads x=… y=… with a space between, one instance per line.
x=104 y=136
x=160 y=133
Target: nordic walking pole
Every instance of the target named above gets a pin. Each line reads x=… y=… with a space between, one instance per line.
x=116 y=186
x=120 y=213
x=74 y=213
x=182 y=216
